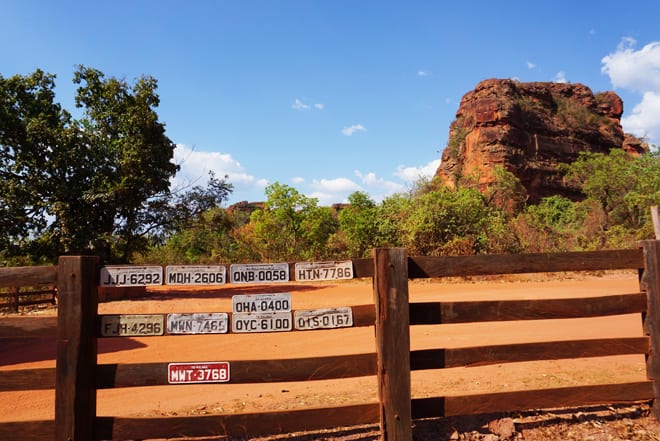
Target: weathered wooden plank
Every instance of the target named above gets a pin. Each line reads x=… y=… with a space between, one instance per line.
x=454 y=266
x=655 y=219
x=28 y=276
x=32 y=379
x=428 y=313
x=510 y=353
x=241 y=372
x=532 y=399
x=393 y=342
x=651 y=282
x=27 y=430
x=363 y=268
x=364 y=315
x=75 y=392
x=238 y=425
x=12 y=327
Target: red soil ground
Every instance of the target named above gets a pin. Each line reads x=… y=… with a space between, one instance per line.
x=19 y=354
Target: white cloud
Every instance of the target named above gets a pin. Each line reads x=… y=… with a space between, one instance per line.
x=319 y=106
x=195 y=167
x=638 y=71
x=422 y=73
x=299 y=105
x=413 y=174
x=634 y=70
x=530 y=65
x=297 y=180
x=348 y=131
x=560 y=77
x=331 y=191
x=645 y=118
x=379 y=186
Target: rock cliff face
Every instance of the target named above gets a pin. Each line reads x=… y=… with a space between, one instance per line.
x=530 y=129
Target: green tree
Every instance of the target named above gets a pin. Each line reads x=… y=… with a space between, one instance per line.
x=81 y=186
x=624 y=187
x=447 y=222
x=32 y=129
x=359 y=224
x=291 y=225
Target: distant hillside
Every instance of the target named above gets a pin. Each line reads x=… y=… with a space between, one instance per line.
x=530 y=129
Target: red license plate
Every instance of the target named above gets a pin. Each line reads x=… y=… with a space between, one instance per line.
x=201 y=372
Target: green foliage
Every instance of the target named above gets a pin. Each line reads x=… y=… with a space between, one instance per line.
x=506 y=193
x=80 y=186
x=291 y=225
x=624 y=186
x=573 y=114
x=359 y=224
x=447 y=222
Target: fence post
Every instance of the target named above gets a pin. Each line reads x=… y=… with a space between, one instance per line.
x=75 y=373
x=393 y=343
x=17 y=300
x=651 y=284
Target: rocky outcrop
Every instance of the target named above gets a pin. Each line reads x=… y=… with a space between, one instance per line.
x=530 y=129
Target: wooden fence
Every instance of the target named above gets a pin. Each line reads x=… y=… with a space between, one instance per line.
x=15 y=298
x=77 y=376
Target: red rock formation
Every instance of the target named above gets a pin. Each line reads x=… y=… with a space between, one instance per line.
x=530 y=129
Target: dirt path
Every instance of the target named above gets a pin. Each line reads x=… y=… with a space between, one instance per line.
x=172 y=400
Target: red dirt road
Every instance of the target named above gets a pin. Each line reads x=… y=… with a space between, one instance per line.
x=19 y=354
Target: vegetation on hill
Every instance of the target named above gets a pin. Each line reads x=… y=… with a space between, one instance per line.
x=100 y=184
x=434 y=220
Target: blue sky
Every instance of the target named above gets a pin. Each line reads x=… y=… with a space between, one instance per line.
x=335 y=96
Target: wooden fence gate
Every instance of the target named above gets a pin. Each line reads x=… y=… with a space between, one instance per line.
x=77 y=376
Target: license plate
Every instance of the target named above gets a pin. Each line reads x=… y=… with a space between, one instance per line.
x=201 y=323
x=328 y=318
x=201 y=372
x=195 y=275
x=259 y=272
x=258 y=303
x=131 y=325
x=131 y=275
x=306 y=271
x=274 y=322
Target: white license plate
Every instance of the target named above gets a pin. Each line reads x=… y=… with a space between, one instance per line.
x=195 y=275
x=306 y=271
x=259 y=272
x=258 y=303
x=131 y=325
x=327 y=318
x=131 y=275
x=274 y=322
x=201 y=372
x=198 y=323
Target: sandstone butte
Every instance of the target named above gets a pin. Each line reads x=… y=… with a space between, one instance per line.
x=530 y=129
